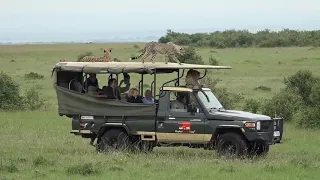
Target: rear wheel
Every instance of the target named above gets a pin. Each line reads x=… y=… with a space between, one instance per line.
x=142 y=146
x=231 y=144
x=113 y=139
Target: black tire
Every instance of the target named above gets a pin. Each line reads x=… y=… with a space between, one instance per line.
x=231 y=144
x=114 y=139
x=142 y=146
x=146 y=146
x=258 y=149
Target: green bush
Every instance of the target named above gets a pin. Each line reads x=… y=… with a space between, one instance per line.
x=116 y=60
x=213 y=61
x=252 y=105
x=228 y=99
x=9 y=93
x=32 y=100
x=33 y=75
x=262 y=88
x=315 y=95
x=10 y=98
x=189 y=56
x=301 y=83
x=136 y=46
x=283 y=104
x=308 y=118
x=244 y=38
x=82 y=55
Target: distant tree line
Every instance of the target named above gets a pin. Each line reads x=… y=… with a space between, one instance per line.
x=243 y=38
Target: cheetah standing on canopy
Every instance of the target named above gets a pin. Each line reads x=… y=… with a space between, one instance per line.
x=168 y=49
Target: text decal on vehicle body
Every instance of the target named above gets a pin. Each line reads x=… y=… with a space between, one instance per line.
x=184 y=127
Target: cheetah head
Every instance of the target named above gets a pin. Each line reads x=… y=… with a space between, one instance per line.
x=177 y=48
x=106 y=51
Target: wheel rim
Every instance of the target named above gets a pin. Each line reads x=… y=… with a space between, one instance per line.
x=228 y=147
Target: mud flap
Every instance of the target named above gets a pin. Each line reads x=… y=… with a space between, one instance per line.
x=278 y=130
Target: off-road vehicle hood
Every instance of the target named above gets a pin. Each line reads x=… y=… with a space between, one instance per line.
x=238 y=115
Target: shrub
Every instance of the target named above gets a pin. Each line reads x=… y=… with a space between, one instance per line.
x=252 y=105
x=244 y=38
x=262 y=88
x=33 y=75
x=209 y=82
x=116 y=60
x=10 y=98
x=32 y=100
x=9 y=93
x=85 y=169
x=189 y=56
x=308 y=118
x=136 y=46
x=213 y=61
x=226 y=98
x=315 y=95
x=82 y=55
x=283 y=104
x=301 y=83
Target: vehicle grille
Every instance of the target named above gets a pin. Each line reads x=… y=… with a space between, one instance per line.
x=267 y=126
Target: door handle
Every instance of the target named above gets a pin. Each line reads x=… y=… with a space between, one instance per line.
x=172 y=118
x=195 y=120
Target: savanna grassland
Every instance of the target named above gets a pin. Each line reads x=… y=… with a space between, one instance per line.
x=38 y=145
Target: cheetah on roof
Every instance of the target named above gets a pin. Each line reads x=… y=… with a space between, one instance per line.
x=105 y=58
x=153 y=48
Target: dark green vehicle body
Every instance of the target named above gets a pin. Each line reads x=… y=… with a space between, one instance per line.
x=204 y=123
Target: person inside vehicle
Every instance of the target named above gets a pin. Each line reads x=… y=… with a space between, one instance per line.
x=148 y=99
x=180 y=102
x=92 y=82
x=134 y=96
x=112 y=91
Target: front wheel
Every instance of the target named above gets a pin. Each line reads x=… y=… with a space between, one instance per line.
x=113 y=139
x=231 y=144
x=259 y=149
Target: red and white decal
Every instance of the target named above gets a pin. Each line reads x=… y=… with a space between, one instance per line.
x=185 y=126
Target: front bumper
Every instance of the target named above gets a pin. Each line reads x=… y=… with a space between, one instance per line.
x=267 y=137
x=272 y=135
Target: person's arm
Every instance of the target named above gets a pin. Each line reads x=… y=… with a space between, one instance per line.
x=124 y=89
x=126 y=80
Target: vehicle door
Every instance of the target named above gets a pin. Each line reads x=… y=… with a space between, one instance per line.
x=182 y=126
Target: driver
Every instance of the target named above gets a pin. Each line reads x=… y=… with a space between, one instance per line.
x=180 y=102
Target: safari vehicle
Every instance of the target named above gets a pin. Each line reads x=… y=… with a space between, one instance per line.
x=118 y=124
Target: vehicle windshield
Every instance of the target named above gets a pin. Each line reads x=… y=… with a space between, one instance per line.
x=213 y=101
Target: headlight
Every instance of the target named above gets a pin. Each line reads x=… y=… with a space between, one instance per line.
x=258 y=125
x=251 y=125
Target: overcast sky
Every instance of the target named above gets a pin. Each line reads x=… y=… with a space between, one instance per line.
x=47 y=19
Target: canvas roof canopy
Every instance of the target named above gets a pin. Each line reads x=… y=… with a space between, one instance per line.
x=129 y=67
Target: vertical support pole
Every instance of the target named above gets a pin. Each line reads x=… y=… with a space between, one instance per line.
x=141 y=93
x=155 y=82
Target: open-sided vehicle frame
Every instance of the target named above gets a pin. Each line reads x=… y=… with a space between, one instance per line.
x=117 y=124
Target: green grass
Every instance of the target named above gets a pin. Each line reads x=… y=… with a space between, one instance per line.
x=38 y=145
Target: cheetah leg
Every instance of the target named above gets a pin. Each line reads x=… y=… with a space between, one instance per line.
x=152 y=57
x=166 y=58
x=175 y=59
x=144 y=56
